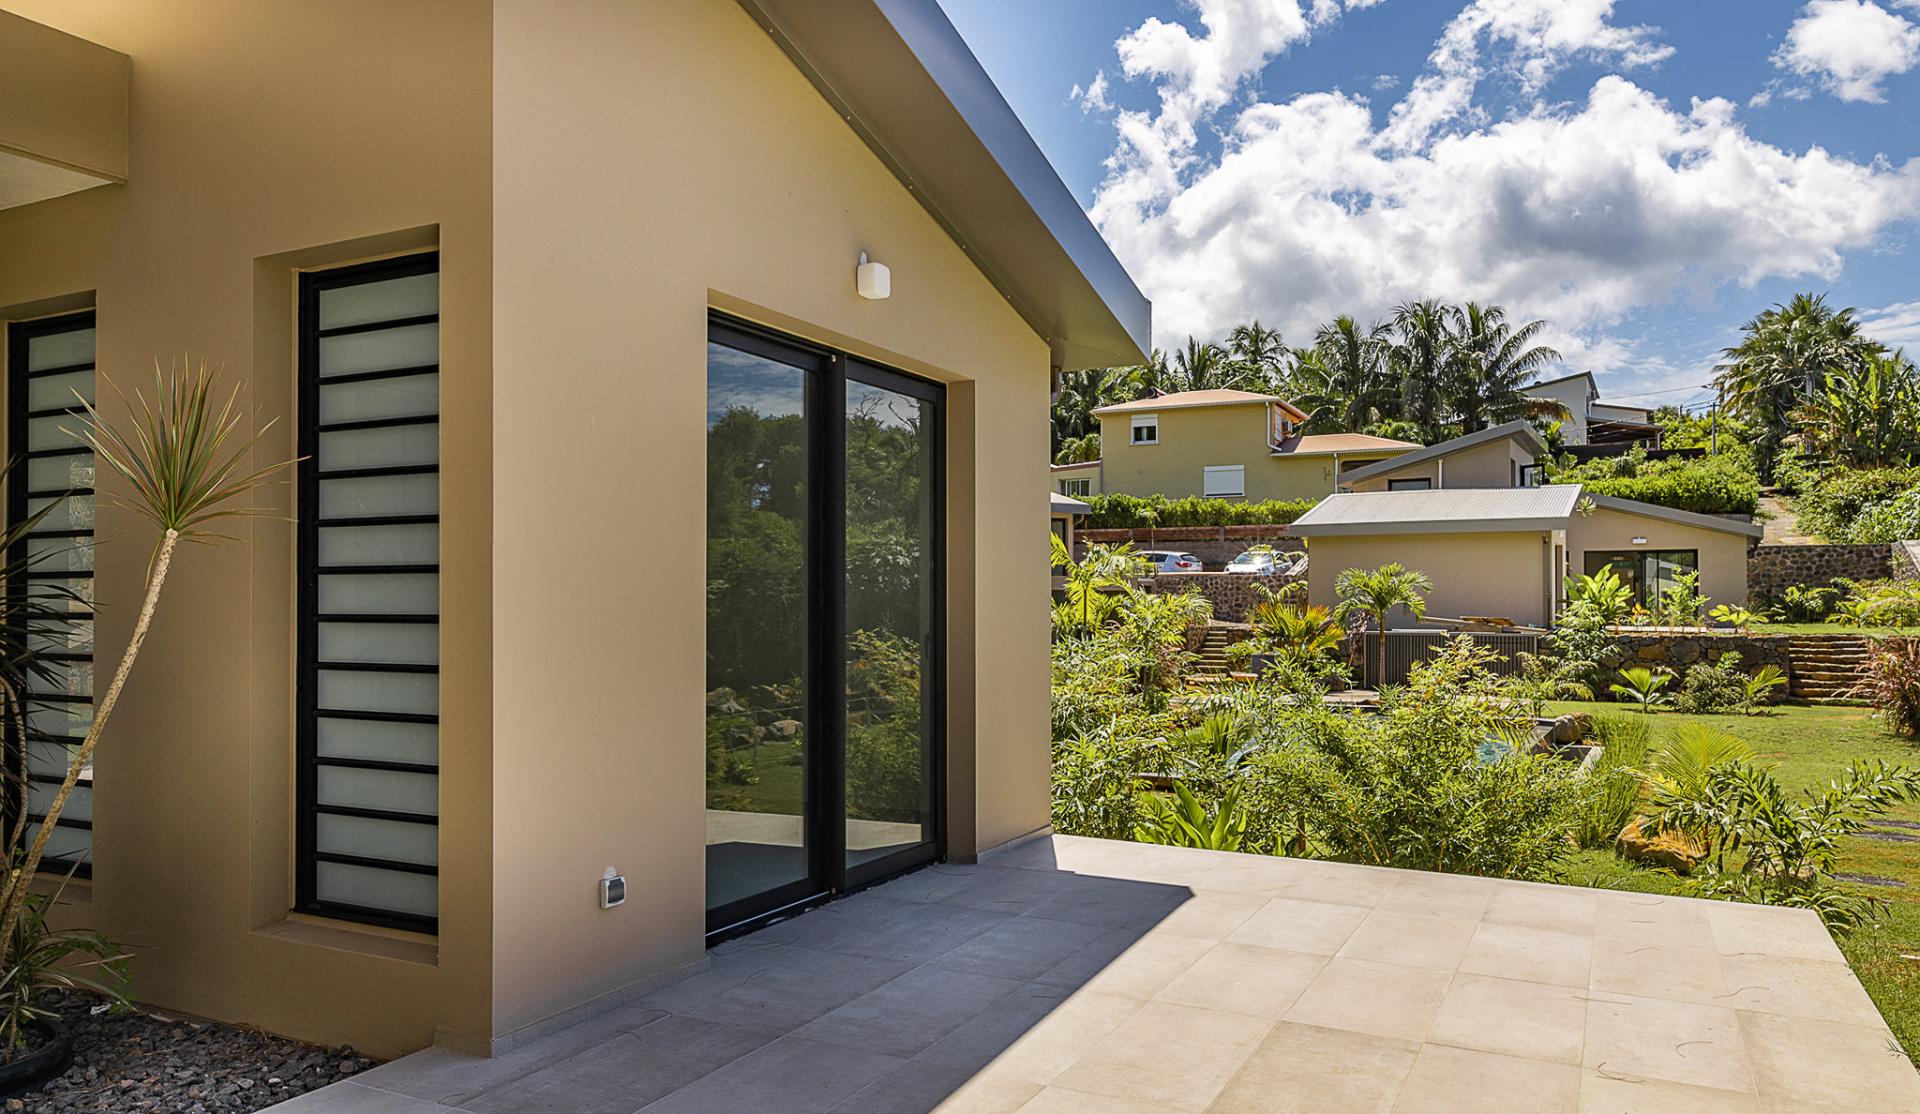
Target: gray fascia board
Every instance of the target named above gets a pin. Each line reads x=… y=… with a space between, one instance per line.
x=1518 y=428
x=1440 y=526
x=1672 y=514
x=904 y=79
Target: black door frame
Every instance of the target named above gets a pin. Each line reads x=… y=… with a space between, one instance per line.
x=826 y=375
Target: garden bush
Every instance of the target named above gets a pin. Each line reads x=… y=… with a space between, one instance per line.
x=1132 y=512
x=1862 y=505
x=1723 y=484
x=1614 y=785
x=1711 y=688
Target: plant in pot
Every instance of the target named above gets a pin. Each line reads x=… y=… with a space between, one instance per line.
x=185 y=463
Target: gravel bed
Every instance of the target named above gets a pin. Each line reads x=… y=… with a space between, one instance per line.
x=150 y=1061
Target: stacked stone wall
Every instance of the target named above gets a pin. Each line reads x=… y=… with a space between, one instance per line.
x=1772 y=569
x=1214 y=545
x=1231 y=594
x=1675 y=652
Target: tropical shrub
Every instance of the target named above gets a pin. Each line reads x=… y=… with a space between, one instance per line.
x=1862 y=505
x=1713 y=687
x=1604 y=592
x=1879 y=603
x=1680 y=603
x=1763 y=686
x=1642 y=686
x=1892 y=684
x=1724 y=484
x=1614 y=783
x=42 y=959
x=1735 y=616
x=1118 y=511
x=1185 y=822
x=1806 y=603
x=1375 y=593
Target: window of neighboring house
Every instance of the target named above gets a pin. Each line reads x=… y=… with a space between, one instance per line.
x=1224 y=481
x=1146 y=429
x=1076 y=488
x=50 y=368
x=369 y=609
x=1421 y=483
x=1533 y=475
x=1648 y=572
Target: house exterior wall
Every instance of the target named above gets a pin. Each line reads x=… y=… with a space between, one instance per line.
x=1193 y=438
x=1090 y=472
x=1723 y=556
x=1494 y=464
x=255 y=149
x=733 y=186
x=1494 y=574
x=1572 y=394
x=597 y=176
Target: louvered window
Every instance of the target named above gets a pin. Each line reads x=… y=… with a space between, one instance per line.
x=370 y=592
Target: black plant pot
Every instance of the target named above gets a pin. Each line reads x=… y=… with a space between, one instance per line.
x=38 y=1062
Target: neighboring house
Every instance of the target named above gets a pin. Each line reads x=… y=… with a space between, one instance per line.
x=1589 y=421
x=504 y=275
x=1225 y=444
x=1501 y=456
x=1469 y=514
x=1063 y=511
x=1076 y=480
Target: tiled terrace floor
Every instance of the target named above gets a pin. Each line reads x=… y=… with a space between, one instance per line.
x=1084 y=976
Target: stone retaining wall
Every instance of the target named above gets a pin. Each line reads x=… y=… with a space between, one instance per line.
x=1214 y=545
x=1230 y=593
x=1906 y=560
x=1771 y=569
x=1678 y=651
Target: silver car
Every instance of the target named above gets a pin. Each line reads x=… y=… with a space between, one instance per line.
x=1261 y=561
x=1172 y=560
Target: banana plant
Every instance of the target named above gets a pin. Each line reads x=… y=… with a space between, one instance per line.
x=1735 y=616
x=1643 y=686
x=1185 y=823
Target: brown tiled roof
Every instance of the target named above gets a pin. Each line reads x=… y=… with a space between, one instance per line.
x=1196 y=398
x=1320 y=443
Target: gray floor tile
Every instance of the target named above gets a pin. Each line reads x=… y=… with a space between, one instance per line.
x=925 y=934
x=904 y=1016
x=625 y=1073
x=791 y=1076
x=357 y=1098
x=804 y=985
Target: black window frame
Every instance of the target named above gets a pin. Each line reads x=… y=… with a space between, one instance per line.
x=19 y=335
x=827 y=372
x=1418 y=483
x=1632 y=566
x=308 y=760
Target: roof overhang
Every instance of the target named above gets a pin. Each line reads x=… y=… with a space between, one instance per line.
x=1538 y=525
x=1441 y=511
x=906 y=82
x=1520 y=430
x=1685 y=518
x=63 y=113
x=1066 y=504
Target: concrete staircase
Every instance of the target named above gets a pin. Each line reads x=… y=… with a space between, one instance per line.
x=1213 y=659
x=1826 y=666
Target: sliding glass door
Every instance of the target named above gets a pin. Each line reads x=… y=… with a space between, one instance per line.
x=823 y=623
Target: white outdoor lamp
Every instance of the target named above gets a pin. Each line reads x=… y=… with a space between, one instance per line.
x=873 y=280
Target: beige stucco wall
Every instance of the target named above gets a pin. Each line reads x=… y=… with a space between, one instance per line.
x=1723 y=556
x=63 y=99
x=731 y=184
x=265 y=137
x=1498 y=574
x=1089 y=471
x=1193 y=438
x=1494 y=464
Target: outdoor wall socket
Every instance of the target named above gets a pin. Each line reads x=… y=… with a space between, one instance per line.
x=613 y=889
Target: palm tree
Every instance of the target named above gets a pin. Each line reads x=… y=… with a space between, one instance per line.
x=1203 y=366
x=1786 y=357
x=1079 y=450
x=1259 y=352
x=1867 y=415
x=1297 y=634
x=1491 y=366
x=1376 y=592
x=1417 y=355
x=1083 y=392
x=1342 y=380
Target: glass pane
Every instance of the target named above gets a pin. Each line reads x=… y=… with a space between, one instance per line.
x=889 y=459
x=382 y=789
x=56 y=431
x=377 y=741
x=402 y=643
x=381 y=448
x=379 y=545
x=370 y=496
x=50 y=392
x=51 y=759
x=53 y=637
x=65 y=845
x=60 y=349
x=380 y=350
x=358 y=690
x=74 y=512
x=756 y=744
x=62 y=594
x=409 y=396
x=387 y=300
x=79 y=804
x=380 y=594
x=398 y=840
x=59 y=555
x=60 y=473
x=400 y=891
x=62 y=720
x=66 y=678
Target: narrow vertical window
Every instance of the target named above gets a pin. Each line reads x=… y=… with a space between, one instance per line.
x=369 y=637
x=50 y=369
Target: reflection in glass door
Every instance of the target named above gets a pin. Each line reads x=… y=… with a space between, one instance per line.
x=823 y=624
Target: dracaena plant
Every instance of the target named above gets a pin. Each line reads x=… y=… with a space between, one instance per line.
x=185 y=461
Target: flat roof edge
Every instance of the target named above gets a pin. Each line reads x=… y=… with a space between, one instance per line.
x=1673 y=514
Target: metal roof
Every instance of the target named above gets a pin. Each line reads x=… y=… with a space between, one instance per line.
x=1520 y=430
x=1066 y=504
x=1179 y=399
x=907 y=84
x=1449 y=510
x=1687 y=518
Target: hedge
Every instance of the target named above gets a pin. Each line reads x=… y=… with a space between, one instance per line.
x=1862 y=505
x=1132 y=512
x=1704 y=485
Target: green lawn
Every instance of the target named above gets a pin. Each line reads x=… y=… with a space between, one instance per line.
x=1808 y=746
x=1833 y=628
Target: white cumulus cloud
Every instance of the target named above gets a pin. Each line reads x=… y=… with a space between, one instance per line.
x=1578 y=212
x=1849 y=47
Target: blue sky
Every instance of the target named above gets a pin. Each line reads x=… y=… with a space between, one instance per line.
x=1643 y=175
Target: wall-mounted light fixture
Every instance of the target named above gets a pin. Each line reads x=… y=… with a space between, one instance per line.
x=1639 y=541
x=873 y=280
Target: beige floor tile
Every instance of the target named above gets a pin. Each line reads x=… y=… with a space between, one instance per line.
x=1805 y=1064
x=1032 y=1037
x=1651 y=918
x=1242 y=978
x=1300 y=926
x=1142 y=967
x=1740 y=929
x=1605 y=1094
x=1174 y=1057
x=1535 y=905
x=1409 y=939
x=1060 y=1100
x=1461 y=1081
x=1455 y=896
x=1646 y=1038
x=1541 y=955
x=1681 y=968
x=1798 y=988
x=1208 y=916
x=1513 y=1018
x=1305 y=1069
x=1337 y=883
x=1383 y=999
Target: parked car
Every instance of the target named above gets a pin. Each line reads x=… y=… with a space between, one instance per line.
x=1172 y=560
x=1260 y=561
